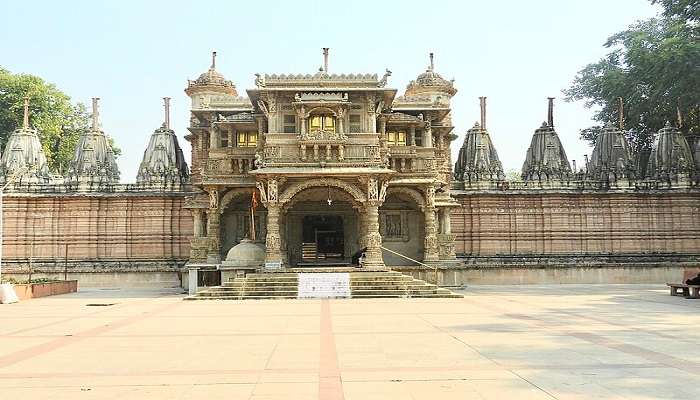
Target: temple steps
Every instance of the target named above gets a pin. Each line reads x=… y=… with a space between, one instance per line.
x=285 y=285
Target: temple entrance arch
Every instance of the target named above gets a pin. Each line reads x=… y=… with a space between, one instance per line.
x=235 y=219
x=322 y=223
x=402 y=225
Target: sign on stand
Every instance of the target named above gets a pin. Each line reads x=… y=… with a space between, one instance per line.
x=324 y=285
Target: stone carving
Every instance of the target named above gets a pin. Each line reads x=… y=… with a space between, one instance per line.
x=261 y=189
x=372 y=194
x=292 y=190
x=385 y=79
x=382 y=191
x=322 y=136
x=272 y=190
x=430 y=196
x=259 y=81
x=213 y=198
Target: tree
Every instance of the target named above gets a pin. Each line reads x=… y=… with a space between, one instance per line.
x=58 y=121
x=654 y=66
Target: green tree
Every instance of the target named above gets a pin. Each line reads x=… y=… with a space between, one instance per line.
x=654 y=66
x=58 y=121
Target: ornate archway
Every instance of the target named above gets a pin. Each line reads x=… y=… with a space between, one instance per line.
x=357 y=194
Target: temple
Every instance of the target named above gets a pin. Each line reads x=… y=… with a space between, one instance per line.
x=335 y=171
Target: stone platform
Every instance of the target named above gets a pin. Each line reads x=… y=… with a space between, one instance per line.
x=323 y=283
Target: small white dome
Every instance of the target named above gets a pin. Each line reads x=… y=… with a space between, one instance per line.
x=245 y=254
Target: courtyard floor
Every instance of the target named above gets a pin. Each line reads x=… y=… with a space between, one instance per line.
x=499 y=342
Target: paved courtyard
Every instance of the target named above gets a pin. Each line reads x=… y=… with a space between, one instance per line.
x=499 y=342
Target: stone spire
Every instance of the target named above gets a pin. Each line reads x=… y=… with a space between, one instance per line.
x=163 y=163
x=478 y=160
x=23 y=156
x=670 y=158
x=546 y=159
x=93 y=161
x=612 y=158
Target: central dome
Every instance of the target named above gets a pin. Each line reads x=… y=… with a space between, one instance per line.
x=430 y=81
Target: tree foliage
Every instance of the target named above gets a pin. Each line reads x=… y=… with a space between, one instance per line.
x=654 y=65
x=51 y=112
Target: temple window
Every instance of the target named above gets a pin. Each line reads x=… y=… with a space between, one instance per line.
x=355 y=123
x=224 y=138
x=322 y=123
x=396 y=138
x=247 y=139
x=290 y=123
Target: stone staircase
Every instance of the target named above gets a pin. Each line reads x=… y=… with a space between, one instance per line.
x=377 y=284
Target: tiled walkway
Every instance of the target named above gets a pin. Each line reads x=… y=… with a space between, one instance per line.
x=499 y=342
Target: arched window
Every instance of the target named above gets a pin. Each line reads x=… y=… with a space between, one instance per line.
x=322 y=122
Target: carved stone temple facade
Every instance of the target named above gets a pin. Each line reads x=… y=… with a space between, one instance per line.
x=316 y=169
x=339 y=161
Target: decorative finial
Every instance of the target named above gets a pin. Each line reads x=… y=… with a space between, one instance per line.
x=213 y=60
x=95 y=114
x=166 y=104
x=621 y=113
x=482 y=104
x=550 y=112
x=325 y=59
x=679 y=116
x=432 y=64
x=25 y=123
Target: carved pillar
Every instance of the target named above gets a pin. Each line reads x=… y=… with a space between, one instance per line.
x=261 y=132
x=231 y=137
x=213 y=234
x=273 y=241
x=412 y=134
x=213 y=139
x=198 y=223
x=361 y=227
x=446 y=223
x=428 y=137
x=431 y=241
x=213 y=227
x=373 y=239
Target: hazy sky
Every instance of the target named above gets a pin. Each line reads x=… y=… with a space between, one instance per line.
x=133 y=53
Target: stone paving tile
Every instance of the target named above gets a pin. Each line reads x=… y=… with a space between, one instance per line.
x=499 y=342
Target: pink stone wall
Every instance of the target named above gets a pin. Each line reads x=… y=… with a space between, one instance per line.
x=577 y=224
x=120 y=231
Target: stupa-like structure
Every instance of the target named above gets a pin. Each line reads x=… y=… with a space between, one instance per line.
x=93 y=162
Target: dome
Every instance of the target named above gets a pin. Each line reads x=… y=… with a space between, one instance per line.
x=212 y=79
x=430 y=81
x=245 y=254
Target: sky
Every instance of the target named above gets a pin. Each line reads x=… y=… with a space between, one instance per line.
x=133 y=53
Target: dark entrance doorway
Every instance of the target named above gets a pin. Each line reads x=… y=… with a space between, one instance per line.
x=323 y=238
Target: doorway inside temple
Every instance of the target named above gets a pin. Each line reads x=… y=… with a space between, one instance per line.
x=323 y=239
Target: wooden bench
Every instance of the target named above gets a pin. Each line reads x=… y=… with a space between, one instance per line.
x=687 y=291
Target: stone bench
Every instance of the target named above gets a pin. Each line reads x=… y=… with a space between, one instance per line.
x=687 y=291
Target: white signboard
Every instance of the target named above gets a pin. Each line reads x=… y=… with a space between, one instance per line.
x=273 y=265
x=324 y=285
